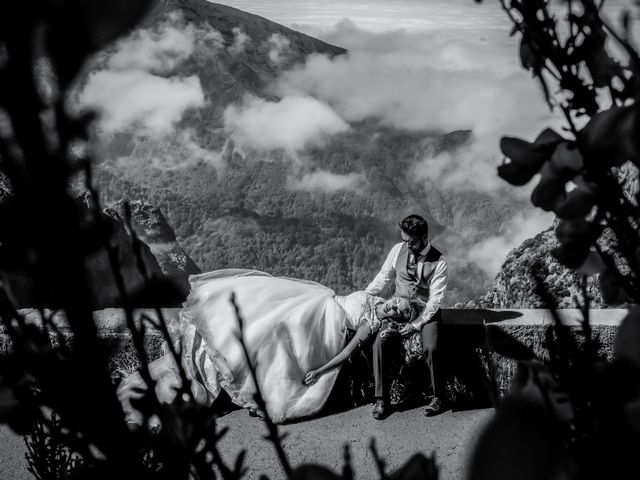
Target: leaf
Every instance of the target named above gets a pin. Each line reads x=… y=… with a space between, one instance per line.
x=577 y=204
x=528 y=56
x=80 y=27
x=602 y=67
x=521 y=441
x=312 y=472
x=577 y=231
x=571 y=254
x=548 y=138
x=550 y=189
x=158 y=292
x=418 y=467
x=525 y=160
x=592 y=265
x=567 y=159
x=239 y=468
x=611 y=290
x=627 y=342
x=610 y=136
x=506 y=345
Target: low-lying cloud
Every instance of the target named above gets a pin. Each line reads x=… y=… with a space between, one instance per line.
x=240 y=41
x=140 y=88
x=428 y=81
x=325 y=181
x=290 y=124
x=138 y=99
x=278 y=48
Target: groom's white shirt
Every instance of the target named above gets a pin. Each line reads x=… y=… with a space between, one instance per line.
x=437 y=286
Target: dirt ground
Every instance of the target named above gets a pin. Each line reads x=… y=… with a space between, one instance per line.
x=450 y=435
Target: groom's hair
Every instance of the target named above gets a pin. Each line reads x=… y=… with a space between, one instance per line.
x=415 y=225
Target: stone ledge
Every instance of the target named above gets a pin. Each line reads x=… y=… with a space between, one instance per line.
x=113 y=319
x=108 y=320
x=462 y=337
x=503 y=317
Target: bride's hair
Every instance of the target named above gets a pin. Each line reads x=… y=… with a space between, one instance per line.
x=414 y=310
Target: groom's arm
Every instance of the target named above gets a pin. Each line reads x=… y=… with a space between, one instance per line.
x=437 y=288
x=386 y=274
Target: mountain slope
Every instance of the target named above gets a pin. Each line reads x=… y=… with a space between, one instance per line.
x=326 y=211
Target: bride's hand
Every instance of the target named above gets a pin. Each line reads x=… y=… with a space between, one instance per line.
x=311 y=377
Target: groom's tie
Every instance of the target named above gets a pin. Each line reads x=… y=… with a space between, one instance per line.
x=412 y=264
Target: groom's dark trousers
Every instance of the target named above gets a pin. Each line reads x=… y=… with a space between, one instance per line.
x=392 y=345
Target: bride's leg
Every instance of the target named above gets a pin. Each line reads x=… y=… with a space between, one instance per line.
x=363 y=332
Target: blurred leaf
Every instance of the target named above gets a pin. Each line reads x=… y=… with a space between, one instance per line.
x=571 y=254
x=627 y=342
x=577 y=204
x=239 y=467
x=530 y=59
x=592 y=265
x=610 y=136
x=577 y=231
x=567 y=158
x=611 y=290
x=312 y=472
x=418 y=467
x=80 y=27
x=521 y=441
x=158 y=292
x=601 y=65
x=536 y=382
x=548 y=138
x=551 y=188
x=525 y=160
x=508 y=346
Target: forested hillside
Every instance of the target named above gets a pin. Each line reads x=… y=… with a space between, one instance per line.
x=325 y=211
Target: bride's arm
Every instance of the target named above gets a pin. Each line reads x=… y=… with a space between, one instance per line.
x=363 y=332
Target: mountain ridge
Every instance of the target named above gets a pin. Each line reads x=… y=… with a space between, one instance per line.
x=327 y=212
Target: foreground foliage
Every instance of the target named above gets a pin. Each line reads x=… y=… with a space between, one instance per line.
x=572 y=416
x=59 y=392
x=576 y=416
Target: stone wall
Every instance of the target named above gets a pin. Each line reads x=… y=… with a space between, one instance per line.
x=465 y=357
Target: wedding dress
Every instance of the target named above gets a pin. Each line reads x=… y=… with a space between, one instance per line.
x=290 y=326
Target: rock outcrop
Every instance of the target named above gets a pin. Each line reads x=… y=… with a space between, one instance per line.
x=165 y=262
x=515 y=284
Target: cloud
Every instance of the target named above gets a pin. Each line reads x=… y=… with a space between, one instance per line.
x=240 y=41
x=278 y=48
x=140 y=87
x=138 y=99
x=160 y=49
x=289 y=124
x=419 y=81
x=434 y=80
x=490 y=254
x=325 y=181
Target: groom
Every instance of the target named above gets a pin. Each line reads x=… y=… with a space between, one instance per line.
x=419 y=271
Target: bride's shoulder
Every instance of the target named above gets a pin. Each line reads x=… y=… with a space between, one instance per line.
x=363 y=297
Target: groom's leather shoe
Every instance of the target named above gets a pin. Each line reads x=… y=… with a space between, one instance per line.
x=379 y=410
x=434 y=407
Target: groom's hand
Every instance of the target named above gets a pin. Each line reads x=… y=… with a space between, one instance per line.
x=407 y=330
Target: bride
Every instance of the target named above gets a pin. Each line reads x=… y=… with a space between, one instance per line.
x=294 y=330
